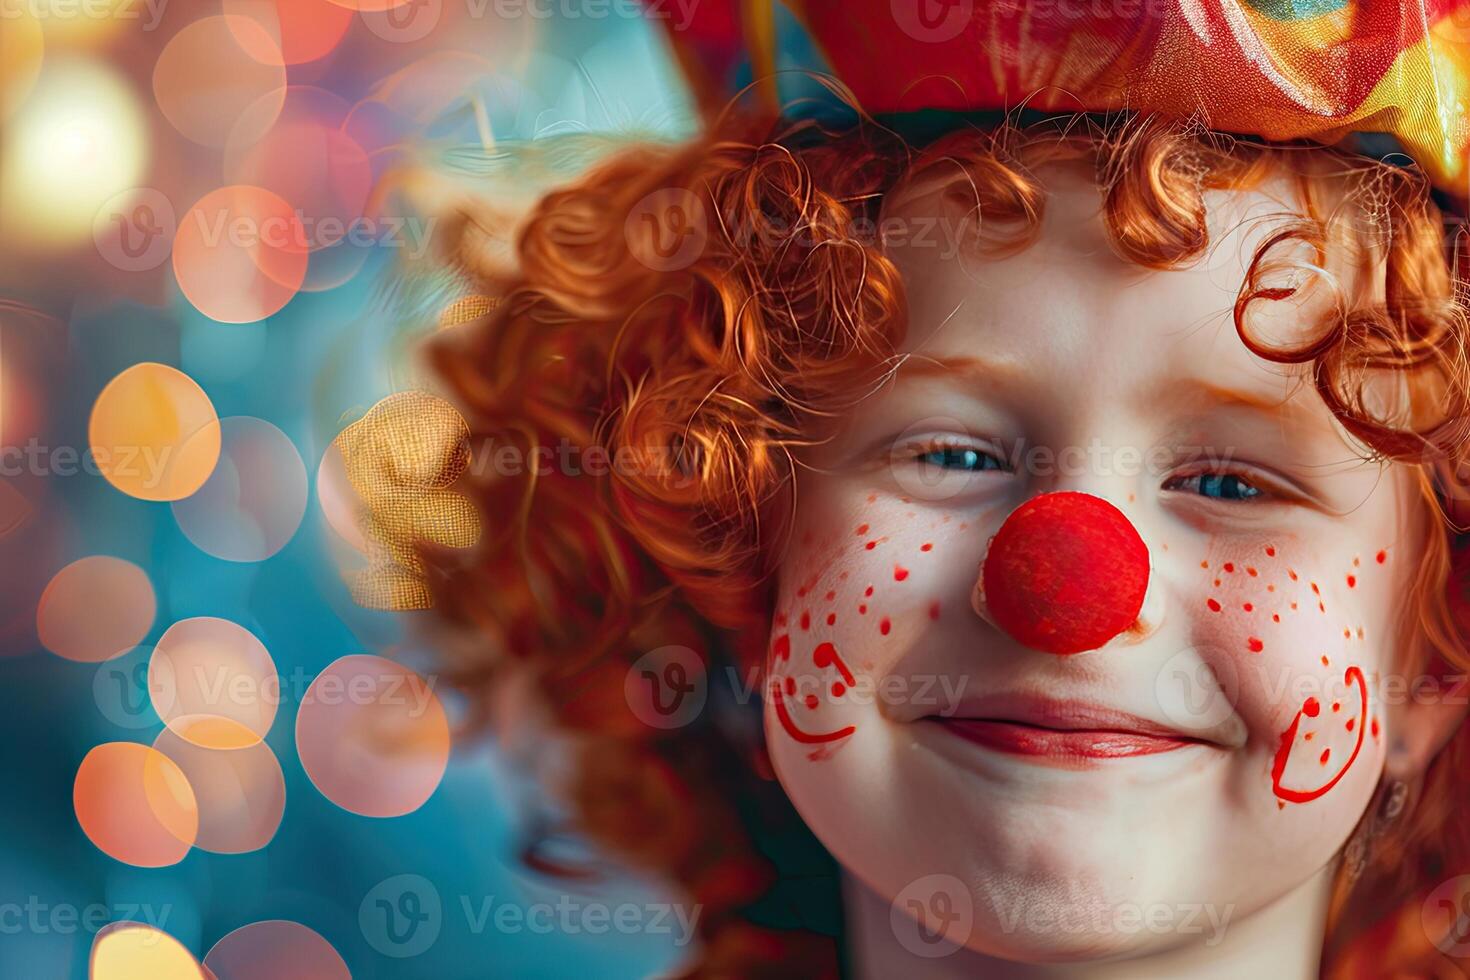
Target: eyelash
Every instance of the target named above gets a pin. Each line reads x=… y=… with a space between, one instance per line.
x=941 y=447
x=1215 y=480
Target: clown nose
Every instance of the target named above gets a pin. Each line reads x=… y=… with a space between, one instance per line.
x=1065 y=573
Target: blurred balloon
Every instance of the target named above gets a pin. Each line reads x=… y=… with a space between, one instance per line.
x=95 y=609
x=135 y=804
x=253 y=502
x=153 y=433
x=77 y=141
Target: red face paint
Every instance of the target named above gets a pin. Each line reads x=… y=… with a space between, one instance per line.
x=1296 y=776
x=824 y=657
x=1065 y=573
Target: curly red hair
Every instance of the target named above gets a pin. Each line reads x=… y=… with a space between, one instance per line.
x=714 y=373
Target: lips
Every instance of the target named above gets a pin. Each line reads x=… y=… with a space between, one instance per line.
x=1061 y=730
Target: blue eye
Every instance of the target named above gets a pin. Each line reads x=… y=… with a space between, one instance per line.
x=959 y=458
x=1218 y=486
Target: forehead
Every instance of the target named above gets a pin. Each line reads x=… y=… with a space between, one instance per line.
x=1072 y=313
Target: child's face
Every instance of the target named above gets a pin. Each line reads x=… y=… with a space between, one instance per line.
x=1112 y=800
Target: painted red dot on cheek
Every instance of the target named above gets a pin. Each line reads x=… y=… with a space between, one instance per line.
x=885 y=626
x=1382 y=557
x=1352 y=580
x=926 y=546
x=1311 y=708
x=1254 y=644
x=1214 y=606
x=1065 y=573
x=900 y=573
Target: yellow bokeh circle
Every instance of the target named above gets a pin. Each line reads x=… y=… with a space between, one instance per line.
x=154 y=433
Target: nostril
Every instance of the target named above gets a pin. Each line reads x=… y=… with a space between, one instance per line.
x=1066 y=573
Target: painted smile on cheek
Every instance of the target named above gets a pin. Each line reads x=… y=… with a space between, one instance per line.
x=824 y=657
x=1326 y=735
x=798 y=687
x=1320 y=744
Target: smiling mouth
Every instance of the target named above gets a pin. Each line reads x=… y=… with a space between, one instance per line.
x=1060 y=730
x=1022 y=738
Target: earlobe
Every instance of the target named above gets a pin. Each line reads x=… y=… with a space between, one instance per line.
x=1434 y=708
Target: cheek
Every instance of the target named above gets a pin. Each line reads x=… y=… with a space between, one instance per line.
x=1302 y=640
x=853 y=597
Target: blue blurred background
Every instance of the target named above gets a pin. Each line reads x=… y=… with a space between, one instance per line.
x=398 y=897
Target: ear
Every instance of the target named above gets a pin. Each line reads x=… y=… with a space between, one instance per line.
x=1431 y=708
x=1434 y=705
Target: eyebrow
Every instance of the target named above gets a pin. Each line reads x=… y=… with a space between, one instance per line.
x=1201 y=391
x=969 y=366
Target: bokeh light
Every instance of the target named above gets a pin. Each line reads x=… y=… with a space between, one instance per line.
x=301 y=30
x=95 y=609
x=76 y=142
x=240 y=793
x=240 y=254
x=74 y=23
x=214 y=69
x=22 y=49
x=213 y=683
x=135 y=804
x=340 y=505
x=154 y=433
x=253 y=502
x=304 y=157
x=133 y=951
x=275 y=950
x=370 y=5
x=373 y=736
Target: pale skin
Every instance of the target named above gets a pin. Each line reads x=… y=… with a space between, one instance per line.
x=1278 y=560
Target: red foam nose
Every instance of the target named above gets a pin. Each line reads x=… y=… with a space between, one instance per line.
x=1065 y=573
